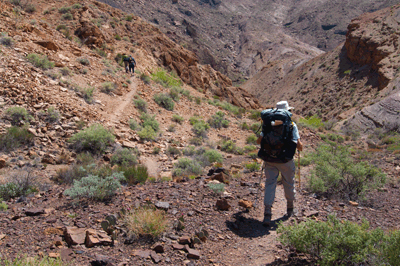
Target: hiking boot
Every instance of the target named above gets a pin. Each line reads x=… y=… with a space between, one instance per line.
x=267 y=220
x=291 y=212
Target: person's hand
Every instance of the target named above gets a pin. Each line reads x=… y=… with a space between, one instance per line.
x=299 y=145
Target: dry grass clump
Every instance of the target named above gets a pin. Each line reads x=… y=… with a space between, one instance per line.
x=146 y=221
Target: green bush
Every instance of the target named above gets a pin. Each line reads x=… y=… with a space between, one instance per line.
x=34 y=261
x=3 y=205
x=187 y=166
x=140 y=104
x=253 y=155
x=252 y=139
x=64 y=10
x=65 y=71
x=253 y=166
x=256 y=127
x=52 y=115
x=76 y=6
x=177 y=118
x=67 y=16
x=189 y=150
x=94 y=139
x=171 y=150
x=167 y=80
x=249 y=148
x=6 y=41
x=84 y=165
x=86 y=93
x=216 y=188
x=95 y=187
x=149 y=120
x=333 y=242
x=108 y=87
x=312 y=122
x=133 y=124
x=16 y=114
x=129 y=18
x=218 y=120
x=84 y=61
x=175 y=94
x=145 y=78
x=117 y=37
x=123 y=157
x=213 y=156
x=336 y=173
x=21 y=184
x=200 y=128
x=171 y=128
x=164 y=100
x=244 y=126
x=40 y=61
x=390 y=248
x=15 y=137
x=135 y=174
x=147 y=133
x=230 y=147
x=197 y=141
x=255 y=115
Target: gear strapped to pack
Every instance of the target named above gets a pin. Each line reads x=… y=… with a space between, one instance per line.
x=277 y=130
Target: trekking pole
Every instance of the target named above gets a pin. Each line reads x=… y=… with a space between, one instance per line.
x=259 y=184
x=299 y=171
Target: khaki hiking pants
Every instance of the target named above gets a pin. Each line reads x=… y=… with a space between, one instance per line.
x=271 y=173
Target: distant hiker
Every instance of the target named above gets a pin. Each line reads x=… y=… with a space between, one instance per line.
x=126 y=63
x=279 y=139
x=132 y=64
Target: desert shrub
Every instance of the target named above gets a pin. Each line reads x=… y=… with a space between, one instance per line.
x=171 y=128
x=217 y=188
x=84 y=61
x=187 y=166
x=15 y=137
x=3 y=205
x=147 y=133
x=67 y=16
x=197 y=141
x=52 y=115
x=256 y=127
x=145 y=78
x=252 y=167
x=230 y=147
x=171 y=150
x=86 y=93
x=164 y=100
x=175 y=94
x=167 y=80
x=129 y=18
x=328 y=125
x=123 y=157
x=34 y=261
x=156 y=150
x=64 y=9
x=189 y=150
x=255 y=114
x=213 y=156
x=21 y=184
x=306 y=160
x=244 y=126
x=29 y=8
x=200 y=128
x=94 y=139
x=133 y=124
x=65 y=71
x=336 y=173
x=117 y=37
x=198 y=100
x=145 y=221
x=95 y=187
x=108 y=87
x=100 y=52
x=252 y=139
x=40 y=61
x=134 y=174
x=253 y=155
x=76 y=6
x=140 y=104
x=392 y=141
x=6 y=41
x=218 y=120
x=16 y=114
x=333 y=242
x=84 y=165
x=149 y=120
x=390 y=249
x=312 y=122
x=177 y=118
x=249 y=148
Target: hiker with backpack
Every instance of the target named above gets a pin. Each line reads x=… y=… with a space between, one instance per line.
x=279 y=140
x=126 y=63
x=132 y=64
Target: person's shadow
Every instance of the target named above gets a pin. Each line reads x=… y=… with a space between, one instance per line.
x=244 y=225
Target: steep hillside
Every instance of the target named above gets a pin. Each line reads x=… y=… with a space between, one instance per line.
x=239 y=37
x=336 y=84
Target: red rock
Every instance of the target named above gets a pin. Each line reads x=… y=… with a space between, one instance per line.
x=94 y=238
x=246 y=203
x=156 y=258
x=184 y=240
x=178 y=247
x=142 y=253
x=223 y=205
x=158 y=248
x=193 y=254
x=34 y=212
x=3 y=163
x=74 y=235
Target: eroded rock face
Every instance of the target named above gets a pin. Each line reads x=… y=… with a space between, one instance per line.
x=373 y=39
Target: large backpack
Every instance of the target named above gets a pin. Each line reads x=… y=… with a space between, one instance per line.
x=276 y=144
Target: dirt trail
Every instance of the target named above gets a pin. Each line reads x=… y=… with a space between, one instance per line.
x=254 y=244
x=123 y=102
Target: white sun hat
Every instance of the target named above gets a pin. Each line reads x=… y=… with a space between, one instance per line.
x=283 y=105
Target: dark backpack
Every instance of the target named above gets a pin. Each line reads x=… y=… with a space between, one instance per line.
x=277 y=145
